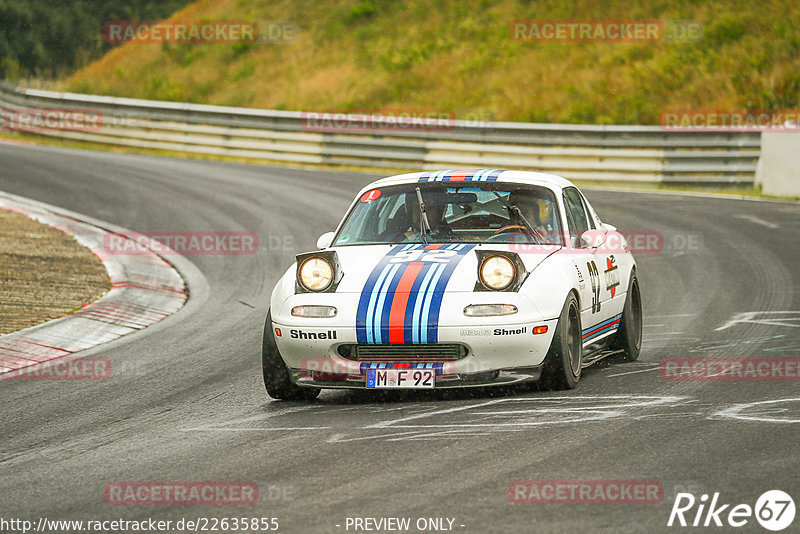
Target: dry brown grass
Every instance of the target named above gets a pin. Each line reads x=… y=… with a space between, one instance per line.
x=44 y=273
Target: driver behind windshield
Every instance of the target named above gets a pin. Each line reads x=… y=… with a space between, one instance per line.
x=537 y=212
x=408 y=228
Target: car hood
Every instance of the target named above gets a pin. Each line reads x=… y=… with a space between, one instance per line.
x=406 y=266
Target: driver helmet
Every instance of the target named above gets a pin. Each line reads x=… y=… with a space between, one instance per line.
x=545 y=211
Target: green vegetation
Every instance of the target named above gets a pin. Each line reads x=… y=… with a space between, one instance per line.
x=43 y=38
x=460 y=57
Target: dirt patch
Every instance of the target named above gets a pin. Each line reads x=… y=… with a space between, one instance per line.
x=44 y=273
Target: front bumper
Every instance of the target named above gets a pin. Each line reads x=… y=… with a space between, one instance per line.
x=489 y=378
x=497 y=354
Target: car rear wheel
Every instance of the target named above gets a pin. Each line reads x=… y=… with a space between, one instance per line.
x=276 y=375
x=562 y=365
x=629 y=336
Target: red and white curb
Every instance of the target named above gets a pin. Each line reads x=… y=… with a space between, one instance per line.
x=144 y=290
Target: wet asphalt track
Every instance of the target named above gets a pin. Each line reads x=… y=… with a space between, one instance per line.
x=186 y=403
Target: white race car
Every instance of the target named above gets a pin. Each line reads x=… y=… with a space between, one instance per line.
x=450 y=279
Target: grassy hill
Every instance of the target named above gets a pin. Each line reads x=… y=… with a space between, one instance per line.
x=43 y=38
x=459 y=56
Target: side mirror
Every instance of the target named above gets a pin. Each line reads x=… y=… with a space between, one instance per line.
x=593 y=238
x=325 y=240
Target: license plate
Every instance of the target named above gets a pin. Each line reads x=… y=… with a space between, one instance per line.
x=400 y=378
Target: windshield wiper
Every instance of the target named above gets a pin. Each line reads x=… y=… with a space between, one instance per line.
x=425 y=227
x=516 y=211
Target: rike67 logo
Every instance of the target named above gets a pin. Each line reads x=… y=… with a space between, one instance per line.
x=774 y=510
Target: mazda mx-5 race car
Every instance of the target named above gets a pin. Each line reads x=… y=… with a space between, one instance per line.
x=451 y=279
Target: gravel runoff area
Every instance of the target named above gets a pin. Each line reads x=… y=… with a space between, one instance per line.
x=44 y=273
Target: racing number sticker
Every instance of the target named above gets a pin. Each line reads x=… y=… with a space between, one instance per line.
x=369 y=196
x=594 y=274
x=435 y=256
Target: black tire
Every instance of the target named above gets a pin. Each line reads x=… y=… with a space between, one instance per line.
x=628 y=338
x=562 y=365
x=276 y=375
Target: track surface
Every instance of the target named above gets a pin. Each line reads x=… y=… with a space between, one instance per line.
x=186 y=402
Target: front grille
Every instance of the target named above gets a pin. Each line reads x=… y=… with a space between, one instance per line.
x=434 y=352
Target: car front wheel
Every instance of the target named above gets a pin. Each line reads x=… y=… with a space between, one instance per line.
x=276 y=374
x=563 y=364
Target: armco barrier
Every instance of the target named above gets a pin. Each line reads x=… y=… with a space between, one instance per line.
x=583 y=152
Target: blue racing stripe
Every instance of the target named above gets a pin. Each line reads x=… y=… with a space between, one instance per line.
x=408 y=321
x=437 y=366
x=384 y=291
x=611 y=328
x=421 y=313
x=603 y=323
x=420 y=300
x=364 y=305
x=479 y=175
x=373 y=300
x=427 y=330
x=382 y=321
x=370 y=294
x=604 y=327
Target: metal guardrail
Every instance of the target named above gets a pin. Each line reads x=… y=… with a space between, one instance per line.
x=584 y=152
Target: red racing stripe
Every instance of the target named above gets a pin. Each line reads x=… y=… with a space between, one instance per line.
x=398 y=311
x=609 y=325
x=458 y=176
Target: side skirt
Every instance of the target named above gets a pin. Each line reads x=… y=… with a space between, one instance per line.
x=595 y=354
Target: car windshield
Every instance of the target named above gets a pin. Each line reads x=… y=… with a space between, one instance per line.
x=488 y=212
